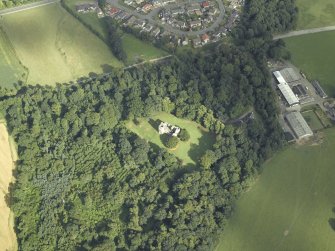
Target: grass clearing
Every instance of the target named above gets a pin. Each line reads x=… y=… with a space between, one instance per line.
x=313 y=14
x=54 y=46
x=312 y=120
x=7 y=234
x=189 y=152
x=291 y=205
x=314 y=54
x=11 y=71
x=136 y=49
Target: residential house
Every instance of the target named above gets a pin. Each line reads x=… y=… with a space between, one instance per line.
x=196 y=23
x=87 y=7
x=205 y=38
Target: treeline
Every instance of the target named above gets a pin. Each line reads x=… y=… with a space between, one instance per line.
x=12 y=3
x=115 y=40
x=84 y=182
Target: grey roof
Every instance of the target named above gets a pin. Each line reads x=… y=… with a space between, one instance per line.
x=299 y=125
x=288 y=94
x=290 y=75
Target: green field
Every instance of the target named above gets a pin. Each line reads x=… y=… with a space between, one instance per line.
x=314 y=13
x=54 y=46
x=136 y=49
x=290 y=206
x=11 y=71
x=314 y=54
x=312 y=120
x=189 y=152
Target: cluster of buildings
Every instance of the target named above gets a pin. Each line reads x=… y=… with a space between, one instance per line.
x=166 y=128
x=147 y=5
x=190 y=16
x=89 y=7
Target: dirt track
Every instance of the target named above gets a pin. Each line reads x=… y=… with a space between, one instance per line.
x=7 y=234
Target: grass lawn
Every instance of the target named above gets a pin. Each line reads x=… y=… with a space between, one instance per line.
x=291 y=205
x=314 y=13
x=11 y=71
x=136 y=49
x=312 y=120
x=314 y=54
x=54 y=46
x=189 y=152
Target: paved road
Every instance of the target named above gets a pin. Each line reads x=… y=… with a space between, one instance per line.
x=150 y=18
x=304 y=32
x=26 y=7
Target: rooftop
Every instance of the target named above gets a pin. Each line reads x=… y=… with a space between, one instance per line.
x=299 y=125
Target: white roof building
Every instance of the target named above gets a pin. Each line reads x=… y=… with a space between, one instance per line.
x=299 y=125
x=279 y=77
x=288 y=94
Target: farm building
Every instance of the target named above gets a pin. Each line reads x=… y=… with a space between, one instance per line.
x=319 y=89
x=288 y=94
x=279 y=77
x=299 y=125
x=290 y=75
x=300 y=91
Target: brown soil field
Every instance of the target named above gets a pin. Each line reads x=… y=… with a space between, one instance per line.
x=7 y=158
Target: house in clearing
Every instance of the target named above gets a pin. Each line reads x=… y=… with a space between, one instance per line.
x=166 y=128
x=86 y=7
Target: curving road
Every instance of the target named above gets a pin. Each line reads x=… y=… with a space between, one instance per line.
x=150 y=18
x=304 y=32
x=26 y=7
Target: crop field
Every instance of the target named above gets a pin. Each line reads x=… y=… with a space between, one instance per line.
x=291 y=206
x=313 y=14
x=314 y=54
x=136 y=49
x=54 y=46
x=11 y=71
x=189 y=152
x=312 y=120
x=7 y=234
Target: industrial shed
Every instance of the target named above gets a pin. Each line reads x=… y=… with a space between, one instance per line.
x=279 y=77
x=290 y=75
x=299 y=125
x=288 y=94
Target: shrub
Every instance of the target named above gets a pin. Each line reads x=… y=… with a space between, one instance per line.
x=184 y=135
x=171 y=142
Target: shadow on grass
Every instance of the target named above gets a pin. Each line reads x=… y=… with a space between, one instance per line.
x=154 y=123
x=106 y=68
x=206 y=142
x=331 y=222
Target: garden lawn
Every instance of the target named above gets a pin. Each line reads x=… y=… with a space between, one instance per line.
x=315 y=13
x=11 y=71
x=54 y=46
x=291 y=205
x=314 y=54
x=189 y=152
x=312 y=120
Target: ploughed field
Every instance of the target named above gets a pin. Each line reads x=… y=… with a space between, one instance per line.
x=314 y=54
x=313 y=14
x=7 y=156
x=291 y=206
x=190 y=151
x=54 y=46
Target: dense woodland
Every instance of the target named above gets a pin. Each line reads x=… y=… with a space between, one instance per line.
x=85 y=182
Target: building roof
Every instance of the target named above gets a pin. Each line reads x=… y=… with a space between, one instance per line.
x=319 y=89
x=299 y=125
x=279 y=77
x=290 y=75
x=288 y=94
x=204 y=37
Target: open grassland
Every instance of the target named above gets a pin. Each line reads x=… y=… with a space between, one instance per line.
x=54 y=46
x=313 y=14
x=136 y=49
x=314 y=54
x=11 y=71
x=7 y=158
x=291 y=205
x=189 y=152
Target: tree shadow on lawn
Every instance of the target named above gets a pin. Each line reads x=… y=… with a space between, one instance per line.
x=106 y=68
x=206 y=142
x=154 y=124
x=331 y=221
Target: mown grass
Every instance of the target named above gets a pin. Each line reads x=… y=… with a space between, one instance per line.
x=313 y=14
x=314 y=54
x=136 y=49
x=291 y=205
x=189 y=152
x=54 y=46
x=11 y=71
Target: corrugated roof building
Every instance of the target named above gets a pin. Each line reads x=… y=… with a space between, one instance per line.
x=290 y=75
x=279 y=77
x=299 y=125
x=288 y=94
